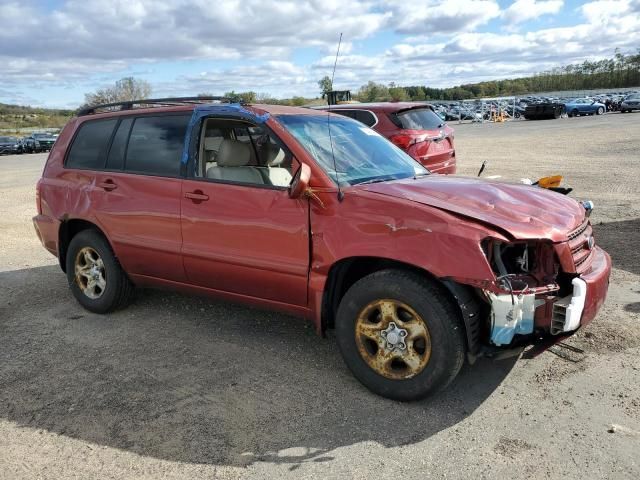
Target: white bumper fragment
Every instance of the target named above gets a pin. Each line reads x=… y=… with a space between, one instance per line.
x=567 y=311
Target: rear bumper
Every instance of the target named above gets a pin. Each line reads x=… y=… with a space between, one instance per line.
x=443 y=163
x=47 y=230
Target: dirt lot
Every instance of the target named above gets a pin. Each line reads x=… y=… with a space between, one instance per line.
x=182 y=387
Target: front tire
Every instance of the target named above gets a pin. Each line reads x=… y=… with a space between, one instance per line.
x=95 y=276
x=400 y=334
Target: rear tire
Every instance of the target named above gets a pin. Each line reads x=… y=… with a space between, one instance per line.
x=600 y=111
x=94 y=274
x=433 y=332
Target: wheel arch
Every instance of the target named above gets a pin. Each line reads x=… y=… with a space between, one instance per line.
x=69 y=228
x=345 y=272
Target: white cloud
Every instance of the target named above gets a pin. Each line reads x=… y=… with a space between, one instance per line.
x=84 y=44
x=435 y=16
x=97 y=32
x=522 y=11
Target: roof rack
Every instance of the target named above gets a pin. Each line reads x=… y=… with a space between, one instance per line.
x=166 y=102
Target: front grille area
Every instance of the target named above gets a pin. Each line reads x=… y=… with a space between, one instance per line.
x=581 y=249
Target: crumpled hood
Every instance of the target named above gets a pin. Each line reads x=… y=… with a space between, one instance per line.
x=521 y=210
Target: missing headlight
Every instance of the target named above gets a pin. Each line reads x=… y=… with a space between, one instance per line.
x=521 y=265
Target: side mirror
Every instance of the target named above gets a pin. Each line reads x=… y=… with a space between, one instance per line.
x=300 y=181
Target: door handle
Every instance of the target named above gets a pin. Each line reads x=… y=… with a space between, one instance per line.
x=108 y=185
x=196 y=196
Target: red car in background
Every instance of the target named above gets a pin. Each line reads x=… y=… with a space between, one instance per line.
x=412 y=126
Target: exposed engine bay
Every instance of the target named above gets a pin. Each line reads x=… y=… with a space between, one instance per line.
x=534 y=296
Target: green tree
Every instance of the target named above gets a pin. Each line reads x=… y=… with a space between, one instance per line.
x=326 y=85
x=298 y=101
x=125 y=89
x=398 y=94
x=241 y=97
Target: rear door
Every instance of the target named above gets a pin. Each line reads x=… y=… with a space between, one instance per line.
x=137 y=195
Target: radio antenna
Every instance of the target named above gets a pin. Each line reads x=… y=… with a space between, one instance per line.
x=333 y=155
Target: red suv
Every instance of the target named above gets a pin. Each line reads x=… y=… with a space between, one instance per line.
x=272 y=206
x=412 y=126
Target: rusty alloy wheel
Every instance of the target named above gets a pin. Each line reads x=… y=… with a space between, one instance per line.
x=393 y=339
x=89 y=273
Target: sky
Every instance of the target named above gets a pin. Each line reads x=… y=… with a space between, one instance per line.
x=52 y=52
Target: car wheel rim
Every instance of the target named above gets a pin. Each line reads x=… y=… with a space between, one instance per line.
x=90 y=274
x=393 y=339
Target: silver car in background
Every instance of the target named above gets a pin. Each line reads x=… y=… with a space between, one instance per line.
x=630 y=103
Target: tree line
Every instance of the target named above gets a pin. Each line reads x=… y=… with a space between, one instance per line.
x=620 y=71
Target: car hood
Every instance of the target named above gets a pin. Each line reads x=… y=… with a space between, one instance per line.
x=523 y=211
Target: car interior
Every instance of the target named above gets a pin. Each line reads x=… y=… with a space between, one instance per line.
x=234 y=151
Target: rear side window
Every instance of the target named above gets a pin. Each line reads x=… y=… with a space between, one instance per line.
x=156 y=144
x=115 y=160
x=363 y=116
x=90 y=144
x=419 y=119
x=366 y=117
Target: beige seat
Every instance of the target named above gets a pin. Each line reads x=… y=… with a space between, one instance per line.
x=232 y=164
x=211 y=147
x=274 y=158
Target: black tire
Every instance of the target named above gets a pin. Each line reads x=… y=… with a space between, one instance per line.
x=118 y=290
x=600 y=111
x=575 y=113
x=437 y=311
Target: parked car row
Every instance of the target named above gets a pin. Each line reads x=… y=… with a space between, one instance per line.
x=479 y=110
x=34 y=143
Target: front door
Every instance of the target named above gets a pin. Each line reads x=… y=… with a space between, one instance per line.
x=241 y=233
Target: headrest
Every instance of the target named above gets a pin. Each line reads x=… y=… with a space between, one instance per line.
x=273 y=154
x=233 y=153
x=212 y=143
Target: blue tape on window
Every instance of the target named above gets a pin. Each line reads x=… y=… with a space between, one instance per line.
x=228 y=110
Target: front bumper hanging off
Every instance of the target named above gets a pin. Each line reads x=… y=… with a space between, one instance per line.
x=515 y=314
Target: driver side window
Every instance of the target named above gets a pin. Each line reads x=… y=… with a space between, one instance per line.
x=237 y=152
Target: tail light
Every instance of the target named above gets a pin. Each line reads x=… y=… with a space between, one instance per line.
x=38 y=203
x=405 y=140
x=402 y=140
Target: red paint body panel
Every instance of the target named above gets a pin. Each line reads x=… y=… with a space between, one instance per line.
x=259 y=246
x=597 y=280
x=142 y=220
x=247 y=240
x=522 y=210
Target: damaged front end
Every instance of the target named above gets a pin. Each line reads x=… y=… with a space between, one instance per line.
x=533 y=296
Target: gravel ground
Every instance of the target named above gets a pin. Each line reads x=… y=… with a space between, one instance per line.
x=183 y=387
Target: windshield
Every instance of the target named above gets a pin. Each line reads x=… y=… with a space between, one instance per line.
x=41 y=135
x=420 y=119
x=361 y=154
